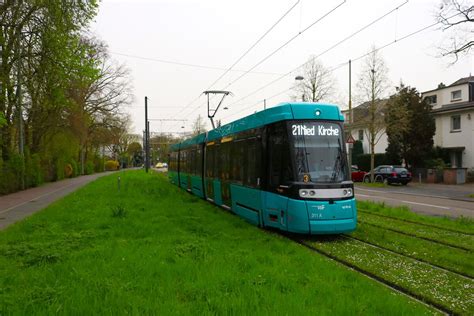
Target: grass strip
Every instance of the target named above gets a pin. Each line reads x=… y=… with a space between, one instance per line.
x=461 y=224
x=449 y=258
x=151 y=248
x=453 y=292
x=441 y=236
x=362 y=211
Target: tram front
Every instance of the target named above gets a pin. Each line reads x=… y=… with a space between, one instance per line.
x=321 y=190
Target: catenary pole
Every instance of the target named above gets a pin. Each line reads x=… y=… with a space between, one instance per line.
x=349 y=129
x=146 y=135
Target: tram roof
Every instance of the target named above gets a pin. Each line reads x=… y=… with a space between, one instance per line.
x=281 y=112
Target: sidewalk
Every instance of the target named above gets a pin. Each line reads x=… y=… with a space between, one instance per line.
x=18 y=205
x=458 y=192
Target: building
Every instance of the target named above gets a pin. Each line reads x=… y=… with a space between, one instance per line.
x=360 y=131
x=453 y=109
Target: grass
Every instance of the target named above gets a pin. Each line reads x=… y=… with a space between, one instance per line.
x=372 y=184
x=453 y=292
x=461 y=224
x=154 y=249
x=456 y=260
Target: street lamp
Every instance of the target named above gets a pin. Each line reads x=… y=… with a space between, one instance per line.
x=300 y=78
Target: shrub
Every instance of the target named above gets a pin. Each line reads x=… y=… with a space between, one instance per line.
x=111 y=165
x=363 y=161
x=89 y=167
x=68 y=170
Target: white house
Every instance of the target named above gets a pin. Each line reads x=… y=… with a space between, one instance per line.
x=453 y=109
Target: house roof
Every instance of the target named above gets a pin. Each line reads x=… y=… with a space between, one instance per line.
x=462 y=81
x=455 y=83
x=362 y=110
x=454 y=107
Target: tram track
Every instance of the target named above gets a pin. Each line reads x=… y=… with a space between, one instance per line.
x=415 y=222
x=416 y=236
x=387 y=283
x=435 y=266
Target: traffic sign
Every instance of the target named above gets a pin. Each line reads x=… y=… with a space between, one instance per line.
x=350 y=139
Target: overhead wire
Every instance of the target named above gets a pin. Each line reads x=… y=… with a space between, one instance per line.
x=279 y=48
x=324 y=52
x=245 y=53
x=345 y=63
x=189 y=64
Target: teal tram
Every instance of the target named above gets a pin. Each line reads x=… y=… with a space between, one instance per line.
x=284 y=167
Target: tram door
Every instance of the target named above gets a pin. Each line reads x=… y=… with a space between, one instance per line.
x=225 y=171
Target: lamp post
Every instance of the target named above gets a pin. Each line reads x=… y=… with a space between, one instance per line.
x=300 y=78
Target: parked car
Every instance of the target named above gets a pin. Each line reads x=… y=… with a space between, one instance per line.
x=159 y=165
x=357 y=175
x=389 y=175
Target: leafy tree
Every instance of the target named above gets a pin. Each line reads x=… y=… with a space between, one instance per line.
x=317 y=83
x=410 y=127
x=456 y=17
x=372 y=84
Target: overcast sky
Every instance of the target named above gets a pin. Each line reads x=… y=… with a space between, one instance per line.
x=214 y=34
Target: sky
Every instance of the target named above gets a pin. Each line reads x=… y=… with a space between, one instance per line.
x=176 y=49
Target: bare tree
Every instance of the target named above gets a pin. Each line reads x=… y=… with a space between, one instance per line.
x=199 y=125
x=317 y=83
x=372 y=85
x=456 y=17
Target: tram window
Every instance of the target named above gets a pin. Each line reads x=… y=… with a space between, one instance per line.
x=198 y=160
x=210 y=150
x=253 y=155
x=217 y=163
x=279 y=152
x=225 y=163
x=238 y=160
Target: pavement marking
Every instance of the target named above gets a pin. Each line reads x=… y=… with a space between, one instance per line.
x=38 y=197
x=407 y=193
x=409 y=202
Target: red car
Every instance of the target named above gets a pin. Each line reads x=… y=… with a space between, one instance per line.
x=357 y=175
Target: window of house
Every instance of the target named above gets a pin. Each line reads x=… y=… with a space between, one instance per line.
x=456 y=95
x=432 y=99
x=361 y=134
x=456 y=123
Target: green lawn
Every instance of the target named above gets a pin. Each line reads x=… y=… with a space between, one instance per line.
x=154 y=249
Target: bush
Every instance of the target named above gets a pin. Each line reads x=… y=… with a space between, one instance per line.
x=90 y=167
x=68 y=170
x=111 y=165
x=363 y=161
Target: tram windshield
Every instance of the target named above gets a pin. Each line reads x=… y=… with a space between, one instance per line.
x=319 y=152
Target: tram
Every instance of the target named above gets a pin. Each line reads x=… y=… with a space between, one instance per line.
x=284 y=167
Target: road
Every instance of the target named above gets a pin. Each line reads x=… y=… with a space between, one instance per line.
x=438 y=201
x=18 y=205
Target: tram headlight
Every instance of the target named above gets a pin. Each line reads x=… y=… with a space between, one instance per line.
x=303 y=193
x=347 y=192
x=312 y=193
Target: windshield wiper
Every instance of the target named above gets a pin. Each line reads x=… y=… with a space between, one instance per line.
x=337 y=164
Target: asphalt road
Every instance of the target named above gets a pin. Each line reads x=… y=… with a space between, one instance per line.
x=437 y=200
x=18 y=205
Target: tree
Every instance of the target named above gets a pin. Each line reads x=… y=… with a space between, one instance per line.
x=317 y=83
x=410 y=127
x=199 y=125
x=372 y=85
x=456 y=17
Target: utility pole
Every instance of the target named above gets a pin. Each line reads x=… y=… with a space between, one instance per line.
x=146 y=135
x=349 y=129
x=148 y=144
